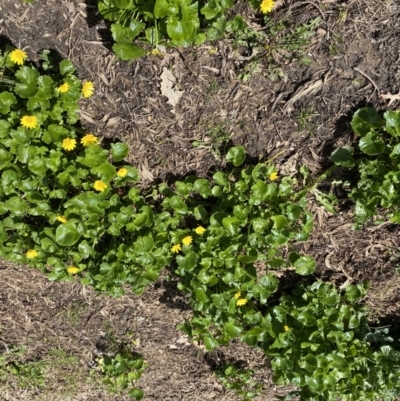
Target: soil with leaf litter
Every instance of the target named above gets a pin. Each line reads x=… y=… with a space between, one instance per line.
x=299 y=118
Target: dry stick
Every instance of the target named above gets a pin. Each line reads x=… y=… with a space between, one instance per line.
x=366 y=76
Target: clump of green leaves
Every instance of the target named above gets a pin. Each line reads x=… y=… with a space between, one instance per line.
x=377 y=160
x=174 y=22
x=122 y=371
x=239 y=380
x=319 y=340
x=52 y=216
x=249 y=216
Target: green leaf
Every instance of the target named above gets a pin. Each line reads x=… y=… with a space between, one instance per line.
x=143 y=244
x=269 y=282
x=95 y=156
x=371 y=144
x=353 y=293
x=25 y=153
x=202 y=186
x=293 y=211
x=178 y=205
x=232 y=330
x=37 y=166
x=66 y=67
x=236 y=155
x=210 y=343
x=201 y=295
x=211 y=10
x=315 y=383
x=221 y=178
x=235 y=25
x=306 y=319
x=304 y=265
x=232 y=224
x=106 y=172
x=247 y=259
x=127 y=34
x=119 y=151
x=338 y=362
x=7 y=100
x=57 y=133
x=343 y=156
x=260 y=225
x=217 y=191
x=5 y=127
x=392 y=122
x=188 y=262
x=280 y=222
x=85 y=249
x=366 y=119
x=128 y=51
x=20 y=136
x=27 y=75
x=16 y=206
x=310 y=363
x=161 y=9
x=354 y=322
x=136 y=394
x=67 y=235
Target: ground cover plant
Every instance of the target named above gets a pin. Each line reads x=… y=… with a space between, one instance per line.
x=179 y=23
x=376 y=161
x=212 y=231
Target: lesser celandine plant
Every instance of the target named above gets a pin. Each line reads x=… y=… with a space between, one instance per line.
x=63 y=204
x=377 y=160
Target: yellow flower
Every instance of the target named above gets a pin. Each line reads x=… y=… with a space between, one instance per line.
x=87 y=89
x=64 y=88
x=61 y=219
x=18 y=56
x=156 y=52
x=31 y=254
x=200 y=230
x=187 y=240
x=100 y=186
x=241 y=302
x=73 y=270
x=267 y=6
x=29 y=122
x=89 y=139
x=286 y=328
x=69 y=144
x=273 y=176
x=237 y=295
x=176 y=248
x=122 y=172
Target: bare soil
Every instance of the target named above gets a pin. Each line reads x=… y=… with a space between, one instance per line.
x=355 y=59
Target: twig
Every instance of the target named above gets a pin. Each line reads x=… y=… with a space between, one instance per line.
x=366 y=76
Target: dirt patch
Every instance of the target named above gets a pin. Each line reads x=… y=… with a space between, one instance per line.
x=45 y=316
x=354 y=58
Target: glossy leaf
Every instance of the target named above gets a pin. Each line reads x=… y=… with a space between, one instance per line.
x=236 y=155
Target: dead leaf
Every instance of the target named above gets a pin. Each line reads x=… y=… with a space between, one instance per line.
x=391 y=98
x=307 y=89
x=168 y=88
